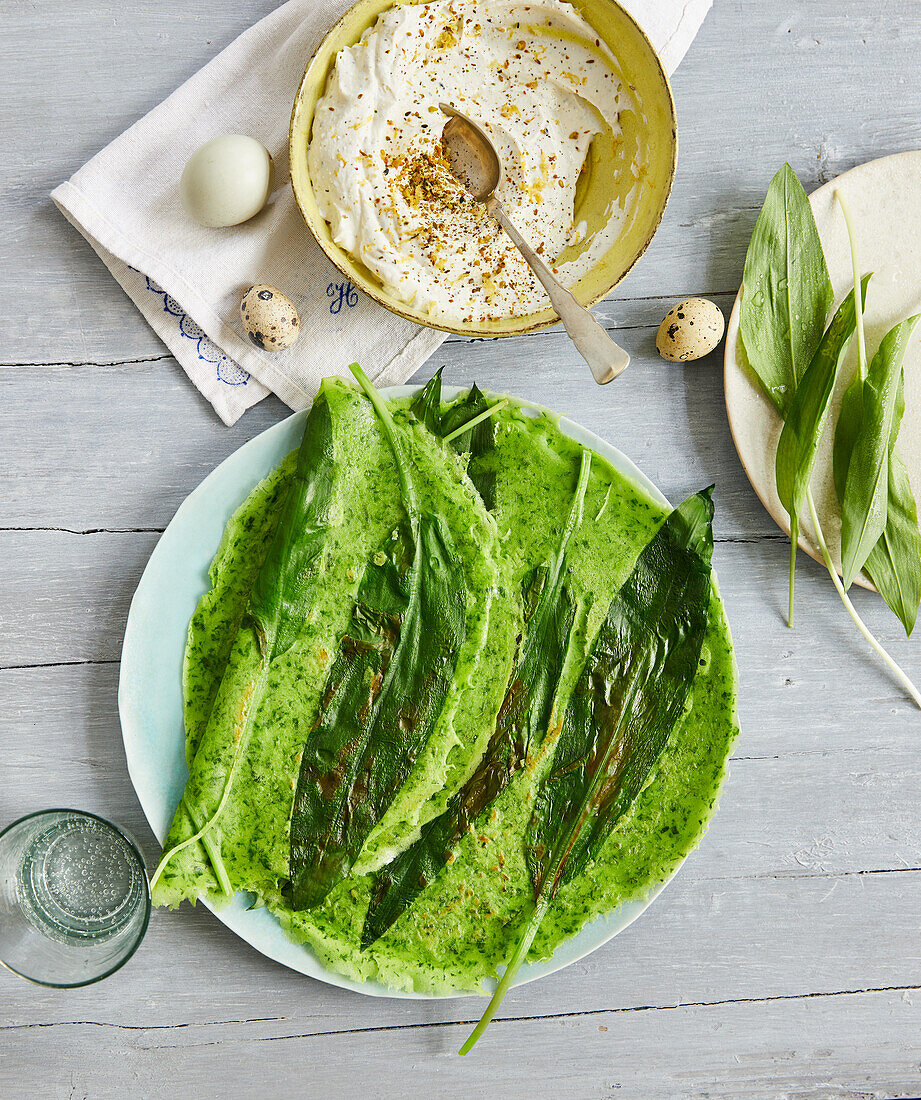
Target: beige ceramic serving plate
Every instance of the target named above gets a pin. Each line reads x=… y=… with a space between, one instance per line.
x=885 y=198
x=647 y=153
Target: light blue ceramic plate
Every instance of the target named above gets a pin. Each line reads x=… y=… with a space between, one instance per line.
x=150 y=685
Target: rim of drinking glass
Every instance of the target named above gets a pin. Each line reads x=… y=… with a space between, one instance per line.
x=142 y=930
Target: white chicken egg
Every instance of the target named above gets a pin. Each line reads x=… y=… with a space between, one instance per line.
x=227 y=181
x=690 y=330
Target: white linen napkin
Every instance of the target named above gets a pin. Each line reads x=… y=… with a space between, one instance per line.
x=187 y=280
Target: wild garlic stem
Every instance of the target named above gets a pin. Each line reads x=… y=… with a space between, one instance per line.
x=514 y=964
x=176 y=848
x=852 y=611
x=213 y=852
x=793 y=541
x=472 y=423
x=858 y=297
x=242 y=734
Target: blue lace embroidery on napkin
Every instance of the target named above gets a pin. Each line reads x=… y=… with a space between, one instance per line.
x=227 y=370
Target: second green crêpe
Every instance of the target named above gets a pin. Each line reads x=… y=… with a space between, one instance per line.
x=457 y=931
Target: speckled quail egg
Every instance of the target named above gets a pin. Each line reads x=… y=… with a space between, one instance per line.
x=227 y=181
x=690 y=330
x=269 y=317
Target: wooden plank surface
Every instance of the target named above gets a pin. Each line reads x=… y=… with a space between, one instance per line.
x=784 y=961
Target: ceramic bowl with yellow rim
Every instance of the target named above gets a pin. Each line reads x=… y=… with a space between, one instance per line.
x=631 y=166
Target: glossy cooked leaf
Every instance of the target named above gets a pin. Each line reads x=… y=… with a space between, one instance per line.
x=426 y=405
x=804 y=424
x=282 y=596
x=385 y=691
x=523 y=718
x=525 y=713
x=786 y=291
x=479 y=444
x=280 y=602
x=864 y=505
x=628 y=699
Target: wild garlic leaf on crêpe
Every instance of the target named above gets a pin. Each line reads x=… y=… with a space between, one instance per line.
x=385 y=690
x=279 y=604
x=629 y=697
x=804 y=424
x=523 y=719
x=786 y=291
x=426 y=405
x=479 y=444
x=864 y=506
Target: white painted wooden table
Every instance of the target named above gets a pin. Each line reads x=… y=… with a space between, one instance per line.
x=785 y=960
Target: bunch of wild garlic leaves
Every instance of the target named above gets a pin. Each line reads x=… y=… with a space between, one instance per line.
x=797 y=355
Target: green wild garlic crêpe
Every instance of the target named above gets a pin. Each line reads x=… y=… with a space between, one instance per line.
x=245 y=753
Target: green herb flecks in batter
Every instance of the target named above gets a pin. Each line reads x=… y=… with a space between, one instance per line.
x=630 y=696
x=385 y=691
x=523 y=719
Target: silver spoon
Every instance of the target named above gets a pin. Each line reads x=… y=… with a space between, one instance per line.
x=475 y=163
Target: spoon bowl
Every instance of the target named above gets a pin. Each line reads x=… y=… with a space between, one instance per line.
x=476 y=165
x=471 y=155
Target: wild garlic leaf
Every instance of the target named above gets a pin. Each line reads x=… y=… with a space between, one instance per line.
x=523 y=719
x=846 y=429
x=479 y=444
x=525 y=713
x=280 y=602
x=786 y=291
x=426 y=405
x=630 y=696
x=804 y=424
x=894 y=563
x=864 y=506
x=283 y=593
x=385 y=691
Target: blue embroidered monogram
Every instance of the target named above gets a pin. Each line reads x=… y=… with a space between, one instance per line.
x=341 y=294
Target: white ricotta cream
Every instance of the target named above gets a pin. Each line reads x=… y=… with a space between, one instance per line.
x=540 y=82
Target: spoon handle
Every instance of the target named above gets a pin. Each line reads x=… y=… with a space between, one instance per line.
x=605 y=358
